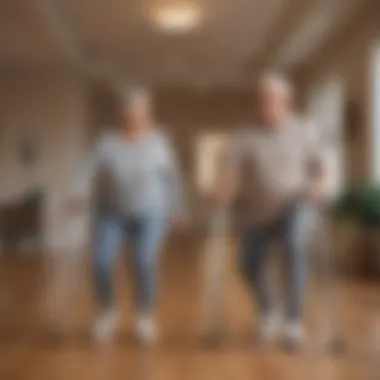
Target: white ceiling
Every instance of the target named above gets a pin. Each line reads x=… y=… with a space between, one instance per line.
x=117 y=36
x=230 y=34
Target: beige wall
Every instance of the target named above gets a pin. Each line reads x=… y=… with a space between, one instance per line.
x=51 y=107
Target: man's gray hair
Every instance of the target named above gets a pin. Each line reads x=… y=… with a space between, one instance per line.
x=278 y=80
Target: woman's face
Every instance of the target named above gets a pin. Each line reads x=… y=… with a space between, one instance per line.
x=137 y=113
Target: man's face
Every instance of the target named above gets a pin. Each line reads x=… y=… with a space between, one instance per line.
x=272 y=103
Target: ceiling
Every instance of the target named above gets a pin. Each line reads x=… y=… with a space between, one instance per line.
x=115 y=38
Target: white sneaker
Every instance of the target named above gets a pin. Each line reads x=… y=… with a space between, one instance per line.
x=293 y=335
x=146 y=329
x=105 y=326
x=269 y=327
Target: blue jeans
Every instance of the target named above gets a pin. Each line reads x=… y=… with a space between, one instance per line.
x=147 y=235
x=293 y=228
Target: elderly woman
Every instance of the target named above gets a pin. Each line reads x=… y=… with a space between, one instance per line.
x=141 y=194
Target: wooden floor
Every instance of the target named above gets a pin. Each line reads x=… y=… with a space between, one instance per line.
x=46 y=309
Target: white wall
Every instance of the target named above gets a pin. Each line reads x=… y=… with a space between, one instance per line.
x=52 y=107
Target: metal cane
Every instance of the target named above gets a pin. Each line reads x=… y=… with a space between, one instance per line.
x=328 y=276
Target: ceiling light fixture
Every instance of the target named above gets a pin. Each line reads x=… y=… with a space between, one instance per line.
x=177 y=17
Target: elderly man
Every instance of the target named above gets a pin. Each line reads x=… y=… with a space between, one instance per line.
x=273 y=167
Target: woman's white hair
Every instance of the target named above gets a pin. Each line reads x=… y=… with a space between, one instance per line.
x=133 y=94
